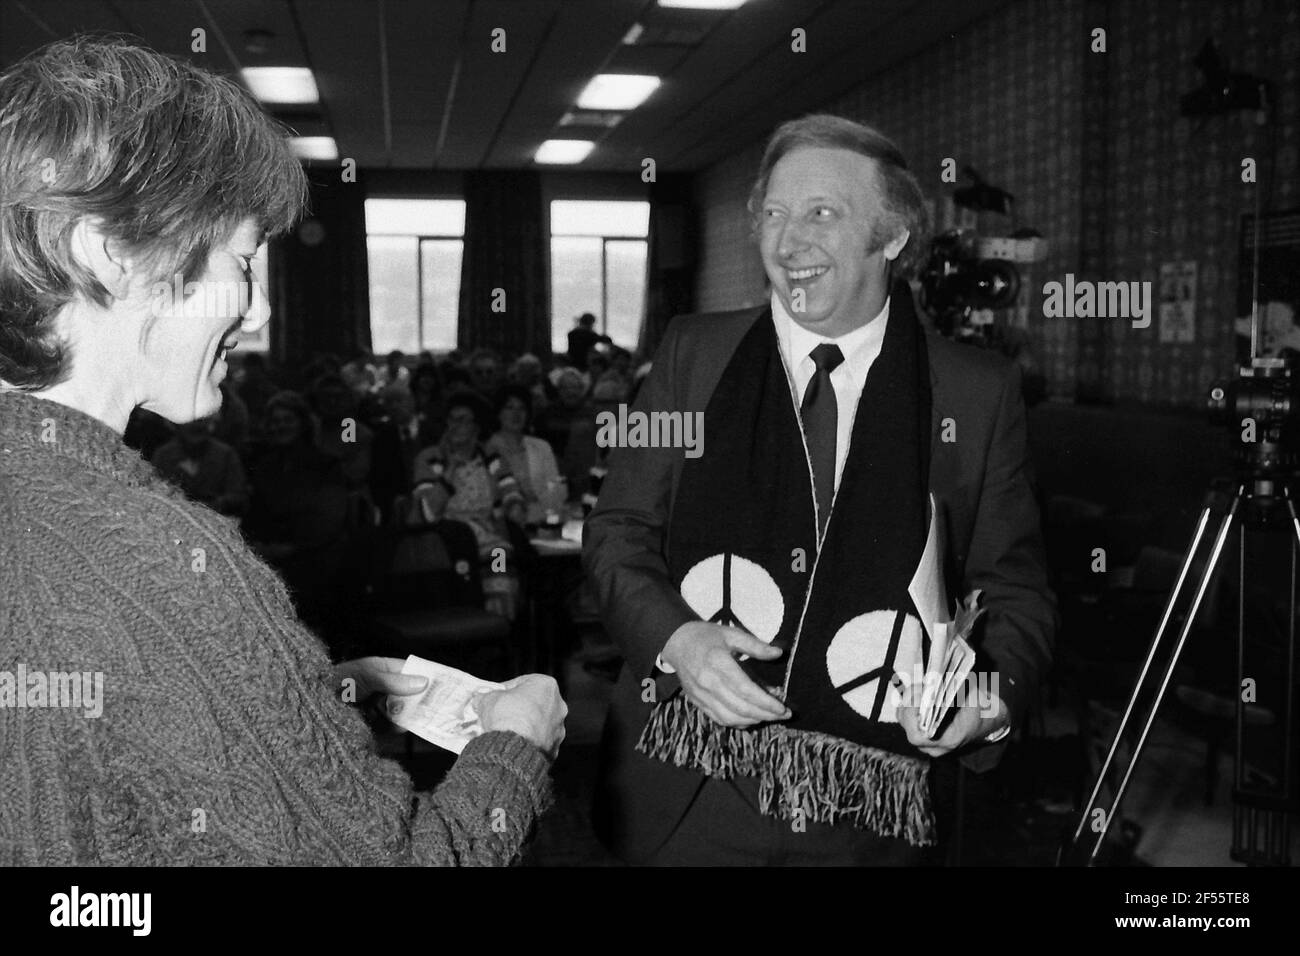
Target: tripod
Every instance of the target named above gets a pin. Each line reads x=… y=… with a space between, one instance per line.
x=1256 y=499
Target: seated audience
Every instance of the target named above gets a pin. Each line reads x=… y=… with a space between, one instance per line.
x=458 y=479
x=299 y=509
x=359 y=372
x=342 y=434
x=556 y=422
x=205 y=468
x=255 y=387
x=430 y=406
x=232 y=425
x=394 y=371
x=583 y=461
x=526 y=371
x=529 y=458
x=486 y=374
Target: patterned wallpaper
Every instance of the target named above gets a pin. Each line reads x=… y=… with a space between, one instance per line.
x=1014 y=97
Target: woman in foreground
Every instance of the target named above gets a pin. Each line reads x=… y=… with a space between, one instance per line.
x=171 y=708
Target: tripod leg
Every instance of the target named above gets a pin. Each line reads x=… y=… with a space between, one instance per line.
x=1174 y=596
x=1201 y=587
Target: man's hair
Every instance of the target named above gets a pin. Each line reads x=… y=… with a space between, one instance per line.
x=167 y=158
x=901 y=200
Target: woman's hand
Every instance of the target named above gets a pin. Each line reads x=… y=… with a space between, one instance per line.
x=530 y=706
x=360 y=679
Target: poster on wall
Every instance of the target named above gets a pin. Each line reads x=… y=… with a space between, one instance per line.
x=1178 y=301
x=1279 y=284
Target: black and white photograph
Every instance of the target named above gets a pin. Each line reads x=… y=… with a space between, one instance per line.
x=626 y=435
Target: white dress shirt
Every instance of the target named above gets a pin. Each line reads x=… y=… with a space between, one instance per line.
x=859 y=348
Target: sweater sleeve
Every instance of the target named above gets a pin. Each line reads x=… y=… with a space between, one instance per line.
x=483 y=812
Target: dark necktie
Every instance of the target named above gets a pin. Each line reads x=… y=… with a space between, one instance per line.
x=820 y=421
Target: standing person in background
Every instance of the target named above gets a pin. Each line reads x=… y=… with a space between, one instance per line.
x=582 y=339
x=214 y=694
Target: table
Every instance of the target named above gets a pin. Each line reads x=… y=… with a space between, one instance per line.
x=557 y=571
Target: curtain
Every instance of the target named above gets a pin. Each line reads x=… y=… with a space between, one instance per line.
x=670 y=279
x=503 y=301
x=320 y=291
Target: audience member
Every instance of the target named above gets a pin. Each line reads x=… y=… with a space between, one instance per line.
x=458 y=479
x=583 y=461
x=359 y=372
x=556 y=422
x=529 y=458
x=232 y=425
x=206 y=469
x=394 y=371
x=341 y=434
x=486 y=374
x=430 y=406
x=255 y=387
x=597 y=364
x=298 y=512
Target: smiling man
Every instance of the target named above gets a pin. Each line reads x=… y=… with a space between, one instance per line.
x=761 y=591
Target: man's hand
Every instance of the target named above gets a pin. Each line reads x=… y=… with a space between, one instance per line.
x=377 y=675
x=969 y=725
x=530 y=706
x=704 y=656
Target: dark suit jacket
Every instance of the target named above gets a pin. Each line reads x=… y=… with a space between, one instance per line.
x=983 y=486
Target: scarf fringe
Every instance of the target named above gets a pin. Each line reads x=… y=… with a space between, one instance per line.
x=804 y=775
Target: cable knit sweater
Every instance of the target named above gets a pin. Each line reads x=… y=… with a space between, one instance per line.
x=222 y=738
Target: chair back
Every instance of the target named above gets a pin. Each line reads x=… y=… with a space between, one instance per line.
x=425 y=565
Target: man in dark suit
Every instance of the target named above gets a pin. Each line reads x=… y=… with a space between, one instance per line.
x=839 y=220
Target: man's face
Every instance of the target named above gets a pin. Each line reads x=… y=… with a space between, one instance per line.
x=817 y=230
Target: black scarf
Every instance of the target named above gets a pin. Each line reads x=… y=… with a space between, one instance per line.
x=742 y=548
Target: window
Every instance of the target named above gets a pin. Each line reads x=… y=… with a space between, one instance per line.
x=598 y=265
x=415 y=248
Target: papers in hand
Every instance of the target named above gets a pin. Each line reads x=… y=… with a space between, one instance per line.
x=951 y=659
x=950 y=663
x=445 y=713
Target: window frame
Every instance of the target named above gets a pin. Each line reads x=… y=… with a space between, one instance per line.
x=420 y=240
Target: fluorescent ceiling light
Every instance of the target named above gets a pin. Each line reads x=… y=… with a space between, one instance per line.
x=282 y=84
x=314 y=147
x=563 y=151
x=617 y=91
x=702 y=4
x=415 y=217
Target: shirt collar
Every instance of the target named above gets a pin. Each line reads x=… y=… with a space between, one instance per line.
x=859 y=347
